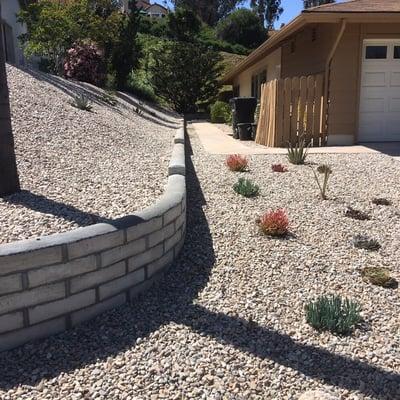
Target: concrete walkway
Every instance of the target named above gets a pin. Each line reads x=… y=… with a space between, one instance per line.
x=218 y=141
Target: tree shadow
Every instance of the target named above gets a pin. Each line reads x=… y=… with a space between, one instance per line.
x=171 y=300
x=45 y=205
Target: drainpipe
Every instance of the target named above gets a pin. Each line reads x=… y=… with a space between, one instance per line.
x=328 y=66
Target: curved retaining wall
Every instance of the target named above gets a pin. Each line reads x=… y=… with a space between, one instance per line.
x=52 y=283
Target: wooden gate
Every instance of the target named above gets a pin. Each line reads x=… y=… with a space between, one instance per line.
x=290 y=109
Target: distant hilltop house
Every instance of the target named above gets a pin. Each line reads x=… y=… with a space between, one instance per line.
x=11 y=29
x=154 y=10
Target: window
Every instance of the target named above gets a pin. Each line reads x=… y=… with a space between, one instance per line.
x=396 y=54
x=256 y=82
x=376 y=52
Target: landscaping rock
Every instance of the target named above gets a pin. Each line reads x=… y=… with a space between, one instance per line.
x=317 y=395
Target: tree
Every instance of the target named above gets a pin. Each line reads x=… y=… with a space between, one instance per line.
x=242 y=27
x=185 y=74
x=268 y=11
x=9 y=181
x=210 y=11
x=183 y=25
x=315 y=3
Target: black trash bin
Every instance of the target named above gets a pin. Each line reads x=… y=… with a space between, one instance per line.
x=243 y=109
x=245 y=131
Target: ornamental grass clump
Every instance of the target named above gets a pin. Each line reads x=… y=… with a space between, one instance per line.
x=379 y=276
x=381 y=201
x=237 y=163
x=366 y=243
x=334 y=314
x=326 y=172
x=357 y=214
x=274 y=223
x=82 y=103
x=297 y=154
x=246 y=188
x=279 y=168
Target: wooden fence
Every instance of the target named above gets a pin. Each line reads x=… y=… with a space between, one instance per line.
x=290 y=109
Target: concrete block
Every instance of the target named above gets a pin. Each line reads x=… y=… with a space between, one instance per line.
x=58 y=272
x=177 y=165
x=21 y=336
x=140 y=288
x=144 y=228
x=172 y=214
x=118 y=285
x=122 y=252
x=92 y=311
x=163 y=234
x=95 y=244
x=10 y=322
x=23 y=261
x=95 y=278
x=160 y=264
x=10 y=283
x=172 y=241
x=31 y=297
x=144 y=258
x=180 y=136
x=61 y=307
x=180 y=221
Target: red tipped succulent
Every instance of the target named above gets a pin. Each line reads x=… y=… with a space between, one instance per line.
x=279 y=168
x=237 y=163
x=274 y=223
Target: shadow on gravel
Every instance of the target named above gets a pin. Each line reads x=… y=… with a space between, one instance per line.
x=171 y=301
x=44 y=205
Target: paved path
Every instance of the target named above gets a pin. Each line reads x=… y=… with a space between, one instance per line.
x=218 y=141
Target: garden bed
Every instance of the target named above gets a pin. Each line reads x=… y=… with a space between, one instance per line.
x=78 y=167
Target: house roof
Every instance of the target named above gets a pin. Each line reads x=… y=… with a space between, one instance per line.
x=353 y=11
x=358 y=6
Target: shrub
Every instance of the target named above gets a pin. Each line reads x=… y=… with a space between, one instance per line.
x=82 y=103
x=381 y=202
x=279 y=168
x=297 y=154
x=326 y=171
x=138 y=86
x=274 y=223
x=221 y=112
x=237 y=163
x=379 y=276
x=357 y=214
x=246 y=188
x=85 y=62
x=334 y=314
x=366 y=243
x=109 y=98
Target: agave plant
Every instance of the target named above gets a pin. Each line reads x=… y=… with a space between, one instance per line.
x=246 y=188
x=82 y=102
x=297 y=154
x=334 y=314
x=326 y=171
x=366 y=243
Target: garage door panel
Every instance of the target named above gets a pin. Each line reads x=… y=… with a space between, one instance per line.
x=395 y=79
x=374 y=79
x=373 y=105
x=394 y=105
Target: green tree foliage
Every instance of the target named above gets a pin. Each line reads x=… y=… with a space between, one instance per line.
x=268 y=11
x=183 y=25
x=242 y=27
x=185 y=74
x=315 y=3
x=210 y=11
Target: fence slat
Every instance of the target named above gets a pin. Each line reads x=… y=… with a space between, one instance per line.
x=280 y=113
x=310 y=109
x=317 y=129
x=286 y=99
x=302 y=107
x=294 y=123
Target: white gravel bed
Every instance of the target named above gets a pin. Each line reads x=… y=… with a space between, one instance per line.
x=227 y=321
x=76 y=167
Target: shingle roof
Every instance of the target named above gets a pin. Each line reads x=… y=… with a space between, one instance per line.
x=359 y=6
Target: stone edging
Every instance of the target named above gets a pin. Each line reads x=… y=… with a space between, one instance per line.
x=50 y=284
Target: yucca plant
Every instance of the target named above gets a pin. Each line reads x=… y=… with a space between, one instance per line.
x=333 y=313
x=82 y=102
x=297 y=154
x=326 y=171
x=366 y=243
x=246 y=188
x=379 y=276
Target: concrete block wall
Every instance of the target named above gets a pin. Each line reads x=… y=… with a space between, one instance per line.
x=55 y=282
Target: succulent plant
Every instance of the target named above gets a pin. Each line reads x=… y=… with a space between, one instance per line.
x=356 y=214
x=379 y=276
x=297 y=154
x=326 y=171
x=366 y=243
x=279 y=168
x=237 y=163
x=246 y=188
x=82 y=103
x=274 y=223
x=333 y=313
x=380 y=201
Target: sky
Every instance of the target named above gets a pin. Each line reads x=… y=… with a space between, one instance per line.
x=292 y=8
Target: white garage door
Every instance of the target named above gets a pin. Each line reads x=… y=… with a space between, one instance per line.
x=380 y=92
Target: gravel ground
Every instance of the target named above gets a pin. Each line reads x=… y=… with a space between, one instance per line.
x=227 y=320
x=78 y=167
